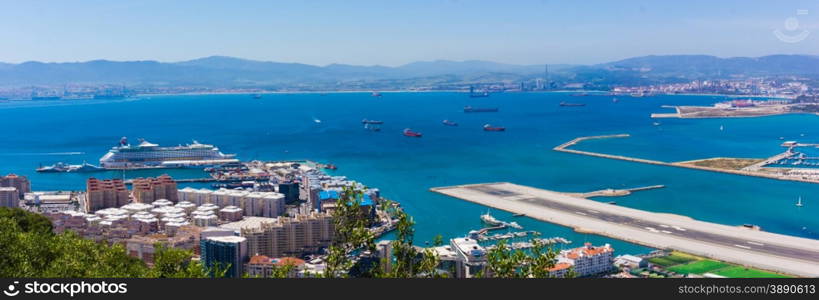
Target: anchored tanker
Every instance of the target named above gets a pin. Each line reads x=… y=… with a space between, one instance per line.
x=148 y=155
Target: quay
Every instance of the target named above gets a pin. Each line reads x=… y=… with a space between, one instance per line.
x=735 y=244
x=743 y=172
x=615 y=192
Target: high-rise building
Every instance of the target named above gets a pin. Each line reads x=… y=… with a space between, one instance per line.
x=148 y=190
x=283 y=236
x=9 y=197
x=21 y=183
x=290 y=190
x=105 y=193
x=225 y=252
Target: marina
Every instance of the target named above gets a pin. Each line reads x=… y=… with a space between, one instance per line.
x=736 y=244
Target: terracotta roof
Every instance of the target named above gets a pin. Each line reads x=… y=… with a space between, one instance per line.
x=284 y=261
x=560 y=266
x=260 y=259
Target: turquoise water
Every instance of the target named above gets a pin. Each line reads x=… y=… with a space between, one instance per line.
x=281 y=126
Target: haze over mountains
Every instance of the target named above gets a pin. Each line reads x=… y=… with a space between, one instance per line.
x=222 y=71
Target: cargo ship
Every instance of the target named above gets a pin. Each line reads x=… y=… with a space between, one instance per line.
x=571 y=104
x=449 y=123
x=470 y=109
x=408 y=132
x=488 y=127
x=147 y=155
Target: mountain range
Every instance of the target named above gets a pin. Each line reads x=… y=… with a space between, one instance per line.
x=223 y=71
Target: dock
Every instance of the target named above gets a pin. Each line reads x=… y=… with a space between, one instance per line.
x=743 y=172
x=735 y=244
x=615 y=192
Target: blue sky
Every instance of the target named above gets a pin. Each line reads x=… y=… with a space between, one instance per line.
x=392 y=32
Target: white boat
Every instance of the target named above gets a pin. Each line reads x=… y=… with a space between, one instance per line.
x=489 y=219
x=799 y=202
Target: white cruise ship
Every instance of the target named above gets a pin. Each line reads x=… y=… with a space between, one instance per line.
x=148 y=155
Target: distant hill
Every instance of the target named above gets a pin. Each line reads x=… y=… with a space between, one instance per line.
x=223 y=71
x=711 y=66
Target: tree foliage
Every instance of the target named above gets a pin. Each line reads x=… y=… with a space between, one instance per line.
x=28 y=249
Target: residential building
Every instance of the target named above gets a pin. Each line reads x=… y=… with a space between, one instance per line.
x=148 y=190
x=471 y=257
x=105 y=194
x=586 y=261
x=285 y=236
x=225 y=252
x=21 y=183
x=262 y=266
x=9 y=197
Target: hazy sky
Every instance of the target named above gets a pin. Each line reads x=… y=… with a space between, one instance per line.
x=392 y=32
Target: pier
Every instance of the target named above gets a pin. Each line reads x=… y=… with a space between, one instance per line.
x=735 y=244
x=615 y=192
x=743 y=172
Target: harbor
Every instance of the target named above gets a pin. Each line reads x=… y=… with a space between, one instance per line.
x=736 y=244
x=805 y=175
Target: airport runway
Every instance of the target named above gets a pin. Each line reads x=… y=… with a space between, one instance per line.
x=776 y=252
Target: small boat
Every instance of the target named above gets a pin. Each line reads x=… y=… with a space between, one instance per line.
x=781 y=138
x=489 y=219
x=317 y=121
x=571 y=104
x=656 y=124
x=365 y=121
x=799 y=202
x=86 y=167
x=372 y=127
x=376 y=94
x=721 y=128
x=257 y=96
x=63 y=168
x=580 y=94
x=55 y=168
x=519 y=215
x=470 y=109
x=330 y=167
x=614 y=100
x=408 y=132
x=488 y=127
x=449 y=123
x=637 y=95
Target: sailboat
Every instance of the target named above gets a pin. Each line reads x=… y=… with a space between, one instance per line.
x=799 y=202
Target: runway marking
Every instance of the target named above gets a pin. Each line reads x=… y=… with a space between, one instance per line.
x=664 y=226
x=678 y=228
x=592 y=211
x=743 y=247
x=756 y=243
x=581 y=213
x=665 y=231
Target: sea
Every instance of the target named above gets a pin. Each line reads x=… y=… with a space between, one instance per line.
x=326 y=127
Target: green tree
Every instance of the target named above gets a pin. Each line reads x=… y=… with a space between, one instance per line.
x=504 y=262
x=28 y=222
x=350 y=234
